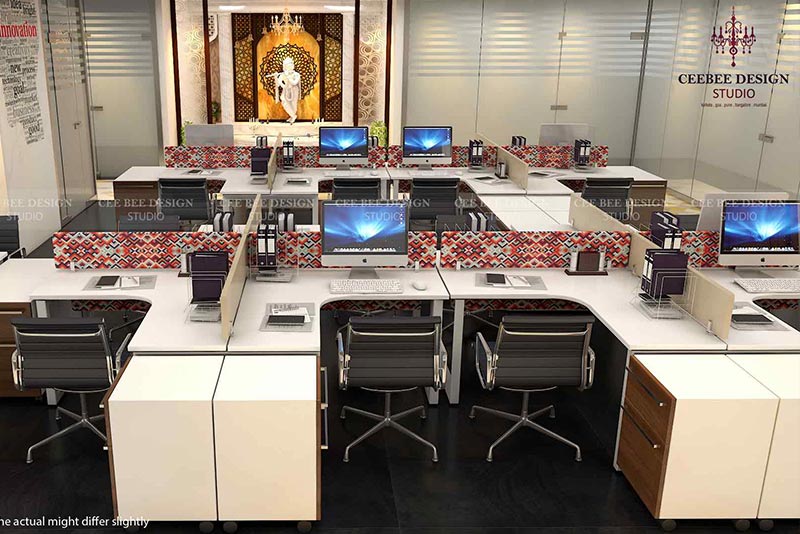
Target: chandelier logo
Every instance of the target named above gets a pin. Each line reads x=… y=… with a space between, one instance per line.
x=734 y=39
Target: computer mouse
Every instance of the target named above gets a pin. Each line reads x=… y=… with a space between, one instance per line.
x=373 y=173
x=459 y=173
x=419 y=285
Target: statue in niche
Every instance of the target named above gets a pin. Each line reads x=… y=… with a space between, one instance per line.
x=288 y=88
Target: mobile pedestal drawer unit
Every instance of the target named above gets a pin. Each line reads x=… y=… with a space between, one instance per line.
x=695 y=436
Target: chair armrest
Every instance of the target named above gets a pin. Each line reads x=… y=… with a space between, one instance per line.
x=590 y=369
x=122 y=350
x=16 y=371
x=488 y=381
x=123 y=326
x=343 y=361
x=19 y=253
x=442 y=363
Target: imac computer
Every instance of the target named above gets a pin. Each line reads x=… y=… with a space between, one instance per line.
x=563 y=133
x=209 y=134
x=426 y=145
x=711 y=208
x=344 y=146
x=760 y=233
x=364 y=235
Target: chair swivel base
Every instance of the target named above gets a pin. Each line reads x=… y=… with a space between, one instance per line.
x=82 y=421
x=387 y=420
x=524 y=419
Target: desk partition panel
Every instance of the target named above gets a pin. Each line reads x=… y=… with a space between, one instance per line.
x=708 y=302
x=559 y=157
x=587 y=217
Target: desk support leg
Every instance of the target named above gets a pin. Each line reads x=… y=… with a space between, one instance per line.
x=395 y=188
x=315 y=210
x=453 y=385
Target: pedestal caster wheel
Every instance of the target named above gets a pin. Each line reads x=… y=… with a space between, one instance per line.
x=668 y=525
x=741 y=525
x=304 y=526
x=230 y=527
x=766 y=524
x=206 y=527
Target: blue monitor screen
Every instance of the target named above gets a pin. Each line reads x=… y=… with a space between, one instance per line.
x=427 y=142
x=343 y=142
x=770 y=227
x=358 y=228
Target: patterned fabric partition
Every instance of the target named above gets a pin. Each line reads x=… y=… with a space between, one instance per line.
x=772 y=305
x=702 y=248
x=394 y=157
x=546 y=250
x=135 y=250
x=559 y=157
x=478 y=305
x=308 y=156
x=207 y=157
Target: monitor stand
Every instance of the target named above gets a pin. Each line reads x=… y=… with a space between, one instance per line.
x=753 y=271
x=425 y=167
x=343 y=167
x=363 y=273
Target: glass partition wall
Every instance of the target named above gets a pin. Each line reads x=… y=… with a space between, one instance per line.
x=503 y=67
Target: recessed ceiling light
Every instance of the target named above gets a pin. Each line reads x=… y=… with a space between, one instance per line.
x=231 y=8
x=340 y=8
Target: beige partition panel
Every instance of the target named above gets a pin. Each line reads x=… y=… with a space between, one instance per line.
x=708 y=302
x=240 y=270
x=586 y=217
x=516 y=169
x=639 y=245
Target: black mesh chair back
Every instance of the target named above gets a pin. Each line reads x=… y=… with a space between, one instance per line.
x=164 y=223
x=356 y=189
x=9 y=234
x=185 y=198
x=609 y=194
x=542 y=351
x=393 y=352
x=431 y=197
x=65 y=354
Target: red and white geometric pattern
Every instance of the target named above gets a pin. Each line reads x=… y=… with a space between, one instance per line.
x=110 y=305
x=460 y=157
x=478 y=305
x=529 y=250
x=308 y=156
x=207 y=157
x=772 y=305
x=558 y=157
x=135 y=250
x=702 y=248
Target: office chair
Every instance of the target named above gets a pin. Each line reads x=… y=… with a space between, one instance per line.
x=187 y=199
x=391 y=355
x=532 y=354
x=9 y=236
x=610 y=195
x=356 y=189
x=165 y=223
x=68 y=355
x=432 y=197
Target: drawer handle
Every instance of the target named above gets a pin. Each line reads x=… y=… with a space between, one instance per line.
x=650 y=394
x=11 y=313
x=641 y=431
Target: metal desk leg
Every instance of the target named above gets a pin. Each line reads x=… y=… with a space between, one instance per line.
x=315 y=209
x=453 y=385
x=437 y=306
x=395 y=188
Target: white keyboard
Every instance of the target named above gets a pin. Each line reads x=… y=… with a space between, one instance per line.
x=375 y=286
x=442 y=173
x=346 y=174
x=769 y=285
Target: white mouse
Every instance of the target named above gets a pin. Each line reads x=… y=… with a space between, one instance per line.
x=419 y=285
x=373 y=173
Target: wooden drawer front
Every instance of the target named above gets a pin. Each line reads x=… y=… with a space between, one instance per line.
x=7 y=313
x=138 y=197
x=648 y=401
x=641 y=460
x=648 y=191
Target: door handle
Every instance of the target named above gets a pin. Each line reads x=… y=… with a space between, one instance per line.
x=76 y=125
x=96 y=108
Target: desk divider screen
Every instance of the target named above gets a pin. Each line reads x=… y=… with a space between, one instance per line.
x=516 y=169
x=587 y=217
x=238 y=273
x=558 y=157
x=710 y=303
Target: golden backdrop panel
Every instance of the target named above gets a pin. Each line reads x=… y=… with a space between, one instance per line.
x=304 y=49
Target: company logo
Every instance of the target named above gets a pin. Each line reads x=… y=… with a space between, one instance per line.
x=734 y=39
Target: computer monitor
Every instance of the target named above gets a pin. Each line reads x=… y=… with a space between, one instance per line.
x=563 y=133
x=760 y=233
x=365 y=234
x=344 y=146
x=209 y=134
x=711 y=209
x=426 y=145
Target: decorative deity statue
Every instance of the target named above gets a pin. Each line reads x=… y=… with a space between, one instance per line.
x=288 y=89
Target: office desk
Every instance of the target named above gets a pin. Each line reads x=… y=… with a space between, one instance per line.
x=165 y=328
x=610 y=298
x=481 y=188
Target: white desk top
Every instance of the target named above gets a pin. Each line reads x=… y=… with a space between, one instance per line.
x=531 y=220
x=608 y=297
x=169 y=378
x=19 y=278
x=164 y=329
x=780 y=373
x=703 y=376
x=612 y=171
x=307 y=287
x=267 y=378
x=153 y=174
x=757 y=340
x=241 y=184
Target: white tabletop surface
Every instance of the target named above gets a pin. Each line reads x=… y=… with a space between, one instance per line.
x=241 y=184
x=703 y=376
x=165 y=328
x=610 y=298
x=153 y=174
x=19 y=278
x=780 y=373
x=531 y=220
x=757 y=340
x=269 y=378
x=312 y=286
x=169 y=378
x=612 y=171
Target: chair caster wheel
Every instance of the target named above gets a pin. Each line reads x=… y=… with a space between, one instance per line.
x=29 y=461
x=489 y=459
x=435 y=459
x=741 y=525
x=346 y=459
x=578 y=458
x=471 y=416
x=423 y=417
x=230 y=527
x=766 y=524
x=668 y=525
x=304 y=526
x=206 y=527
x=552 y=413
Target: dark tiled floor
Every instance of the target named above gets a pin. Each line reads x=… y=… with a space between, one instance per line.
x=390 y=485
